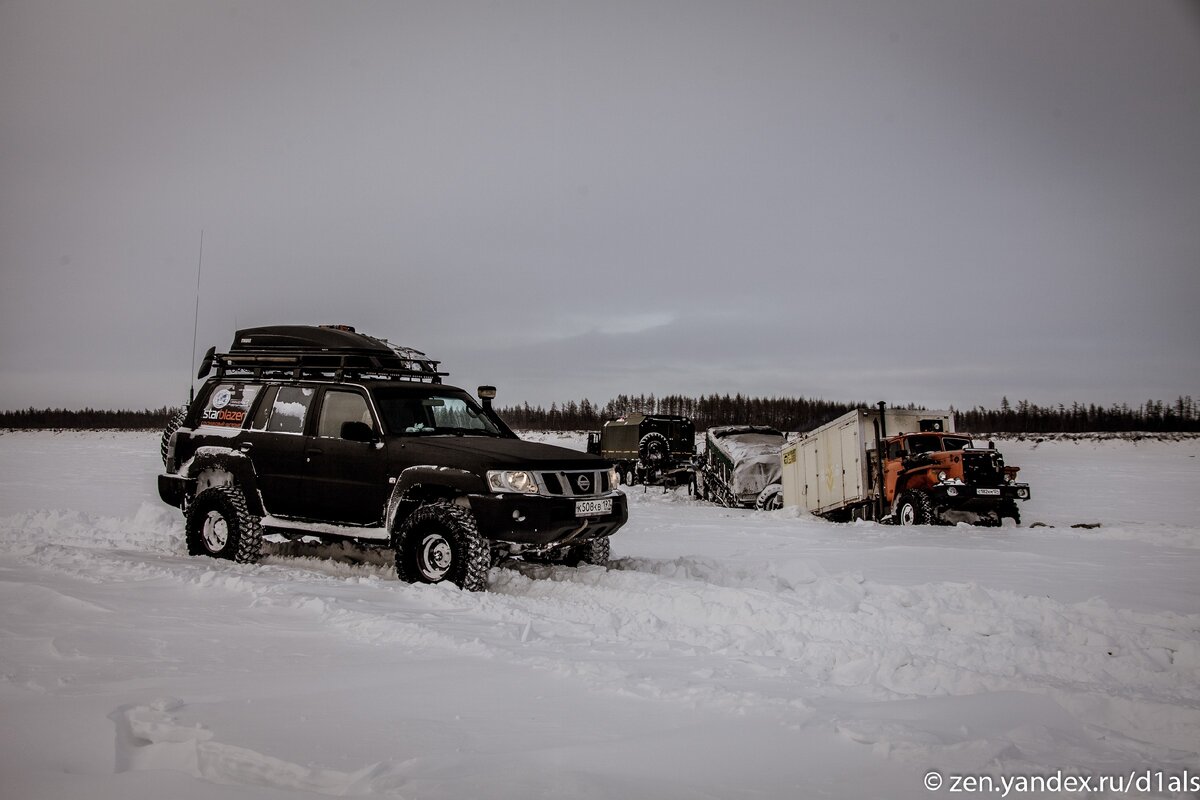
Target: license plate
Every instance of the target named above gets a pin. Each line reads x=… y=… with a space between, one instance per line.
x=593 y=508
x=992 y=492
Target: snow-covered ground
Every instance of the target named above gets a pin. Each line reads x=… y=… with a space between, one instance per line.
x=722 y=654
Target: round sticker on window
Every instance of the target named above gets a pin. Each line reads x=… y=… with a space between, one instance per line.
x=221 y=398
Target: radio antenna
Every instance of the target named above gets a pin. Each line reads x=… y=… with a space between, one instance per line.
x=196 y=321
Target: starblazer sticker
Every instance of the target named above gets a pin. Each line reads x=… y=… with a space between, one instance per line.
x=228 y=405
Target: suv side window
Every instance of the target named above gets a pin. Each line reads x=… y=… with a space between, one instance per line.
x=259 y=422
x=228 y=404
x=342 y=406
x=290 y=409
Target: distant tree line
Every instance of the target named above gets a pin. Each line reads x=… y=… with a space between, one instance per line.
x=784 y=413
x=803 y=414
x=1025 y=417
x=87 y=418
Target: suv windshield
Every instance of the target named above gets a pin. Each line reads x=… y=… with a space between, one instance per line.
x=432 y=414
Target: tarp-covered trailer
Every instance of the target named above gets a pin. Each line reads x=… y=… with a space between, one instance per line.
x=832 y=470
x=740 y=463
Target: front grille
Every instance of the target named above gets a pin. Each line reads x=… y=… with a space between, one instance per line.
x=983 y=468
x=581 y=483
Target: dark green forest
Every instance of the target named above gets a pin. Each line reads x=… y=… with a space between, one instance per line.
x=784 y=413
x=803 y=414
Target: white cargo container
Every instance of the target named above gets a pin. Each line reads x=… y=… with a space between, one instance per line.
x=831 y=470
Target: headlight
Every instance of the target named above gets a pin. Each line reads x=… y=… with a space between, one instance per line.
x=614 y=478
x=942 y=475
x=518 y=481
x=1022 y=493
x=1010 y=478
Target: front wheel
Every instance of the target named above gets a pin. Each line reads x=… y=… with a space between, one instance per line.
x=594 y=552
x=220 y=525
x=915 y=508
x=441 y=542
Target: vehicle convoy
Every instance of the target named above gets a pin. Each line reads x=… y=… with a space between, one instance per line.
x=654 y=449
x=320 y=431
x=927 y=473
x=741 y=466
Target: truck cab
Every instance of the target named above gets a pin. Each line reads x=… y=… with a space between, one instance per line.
x=944 y=477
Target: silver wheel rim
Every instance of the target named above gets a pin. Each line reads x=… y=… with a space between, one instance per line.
x=435 y=557
x=908 y=514
x=216 y=532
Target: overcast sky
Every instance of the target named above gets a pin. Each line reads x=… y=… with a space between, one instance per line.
x=939 y=202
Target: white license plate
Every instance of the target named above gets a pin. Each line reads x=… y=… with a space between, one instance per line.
x=593 y=508
x=992 y=492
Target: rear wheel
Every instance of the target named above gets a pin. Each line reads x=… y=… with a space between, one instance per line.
x=915 y=509
x=440 y=542
x=220 y=525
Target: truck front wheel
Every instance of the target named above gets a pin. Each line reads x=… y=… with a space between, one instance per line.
x=915 y=509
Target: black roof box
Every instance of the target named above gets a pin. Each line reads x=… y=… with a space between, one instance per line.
x=305 y=337
x=329 y=351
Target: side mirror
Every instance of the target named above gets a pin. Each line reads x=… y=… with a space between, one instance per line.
x=358 y=432
x=991 y=445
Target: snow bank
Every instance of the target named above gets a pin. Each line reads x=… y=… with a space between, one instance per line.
x=721 y=653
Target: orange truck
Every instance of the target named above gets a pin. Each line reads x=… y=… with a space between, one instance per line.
x=899 y=466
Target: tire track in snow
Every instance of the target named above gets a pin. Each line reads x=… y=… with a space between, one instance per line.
x=767 y=642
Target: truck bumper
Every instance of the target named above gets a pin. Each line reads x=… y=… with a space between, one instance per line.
x=977 y=498
x=540 y=520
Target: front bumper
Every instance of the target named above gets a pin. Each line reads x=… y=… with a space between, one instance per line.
x=542 y=520
x=977 y=498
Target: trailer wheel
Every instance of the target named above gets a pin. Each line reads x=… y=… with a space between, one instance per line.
x=915 y=508
x=770 y=498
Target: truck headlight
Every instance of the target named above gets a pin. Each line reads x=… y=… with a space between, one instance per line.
x=1022 y=493
x=519 y=481
x=614 y=478
x=942 y=475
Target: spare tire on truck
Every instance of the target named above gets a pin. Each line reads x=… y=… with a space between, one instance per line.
x=653 y=448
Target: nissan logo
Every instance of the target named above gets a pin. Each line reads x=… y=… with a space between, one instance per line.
x=582 y=483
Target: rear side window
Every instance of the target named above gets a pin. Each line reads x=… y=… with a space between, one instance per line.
x=228 y=405
x=290 y=409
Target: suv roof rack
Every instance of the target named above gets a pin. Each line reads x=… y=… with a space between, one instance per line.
x=332 y=352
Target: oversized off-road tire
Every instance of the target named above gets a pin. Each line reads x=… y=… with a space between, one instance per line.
x=770 y=498
x=219 y=524
x=172 y=425
x=594 y=552
x=441 y=542
x=654 y=448
x=915 y=509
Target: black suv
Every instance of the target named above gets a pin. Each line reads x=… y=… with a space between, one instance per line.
x=315 y=431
